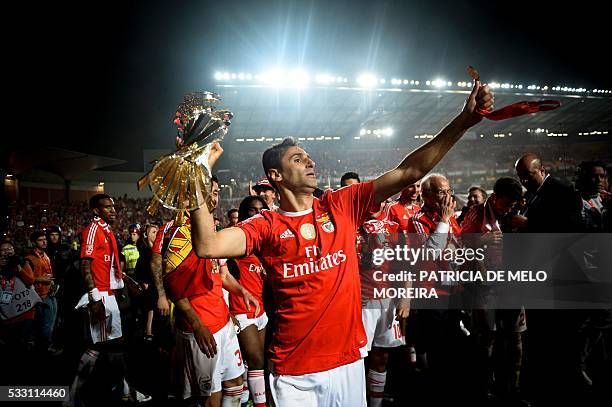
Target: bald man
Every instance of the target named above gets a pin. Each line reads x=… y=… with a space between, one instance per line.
x=552 y=205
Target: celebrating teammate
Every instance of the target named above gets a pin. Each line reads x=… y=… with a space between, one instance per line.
x=308 y=249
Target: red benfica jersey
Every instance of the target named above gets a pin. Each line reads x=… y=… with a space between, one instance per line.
x=420 y=226
x=250 y=278
x=375 y=234
x=98 y=244
x=159 y=238
x=311 y=261
x=399 y=213
x=188 y=276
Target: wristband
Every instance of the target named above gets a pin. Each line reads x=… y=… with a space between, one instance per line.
x=95 y=295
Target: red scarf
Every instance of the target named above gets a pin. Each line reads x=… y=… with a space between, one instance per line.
x=105 y=227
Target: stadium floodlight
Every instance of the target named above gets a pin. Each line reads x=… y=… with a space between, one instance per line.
x=367 y=80
x=387 y=131
x=405 y=81
x=241 y=76
x=417 y=83
x=382 y=81
x=248 y=77
x=218 y=76
x=362 y=132
x=233 y=76
x=438 y=83
x=324 y=79
x=299 y=78
x=226 y=76
x=272 y=77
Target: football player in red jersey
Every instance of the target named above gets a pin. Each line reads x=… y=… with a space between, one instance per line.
x=405 y=207
x=308 y=250
x=250 y=274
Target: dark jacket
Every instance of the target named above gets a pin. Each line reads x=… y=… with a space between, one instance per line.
x=554 y=208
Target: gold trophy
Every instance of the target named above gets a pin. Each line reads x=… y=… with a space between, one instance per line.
x=180 y=181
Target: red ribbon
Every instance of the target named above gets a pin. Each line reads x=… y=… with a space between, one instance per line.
x=519 y=109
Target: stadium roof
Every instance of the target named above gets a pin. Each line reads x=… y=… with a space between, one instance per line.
x=263 y=115
x=65 y=163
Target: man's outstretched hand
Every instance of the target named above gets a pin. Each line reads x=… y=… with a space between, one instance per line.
x=480 y=100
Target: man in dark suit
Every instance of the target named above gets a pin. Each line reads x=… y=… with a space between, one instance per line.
x=552 y=205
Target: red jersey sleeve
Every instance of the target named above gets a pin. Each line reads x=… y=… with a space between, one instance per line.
x=159 y=239
x=88 y=241
x=356 y=200
x=256 y=229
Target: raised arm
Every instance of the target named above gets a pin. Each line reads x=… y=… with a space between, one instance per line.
x=227 y=243
x=422 y=160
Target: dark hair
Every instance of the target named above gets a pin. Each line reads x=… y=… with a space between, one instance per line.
x=273 y=157
x=243 y=209
x=229 y=213
x=349 y=175
x=507 y=187
x=482 y=191
x=95 y=200
x=6 y=241
x=36 y=234
x=583 y=173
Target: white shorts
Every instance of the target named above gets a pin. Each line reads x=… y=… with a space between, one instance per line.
x=380 y=325
x=102 y=331
x=259 y=322
x=195 y=374
x=341 y=386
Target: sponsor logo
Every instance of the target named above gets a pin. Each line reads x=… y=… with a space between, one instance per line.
x=89 y=248
x=205 y=383
x=314 y=265
x=308 y=231
x=286 y=234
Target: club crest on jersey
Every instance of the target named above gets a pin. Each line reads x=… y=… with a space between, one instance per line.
x=328 y=227
x=325 y=222
x=308 y=231
x=323 y=218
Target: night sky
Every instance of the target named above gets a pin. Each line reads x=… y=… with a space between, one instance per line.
x=113 y=73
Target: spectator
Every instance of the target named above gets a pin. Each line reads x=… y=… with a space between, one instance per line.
x=46 y=311
x=232 y=217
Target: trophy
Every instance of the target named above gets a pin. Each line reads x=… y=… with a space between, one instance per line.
x=180 y=181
